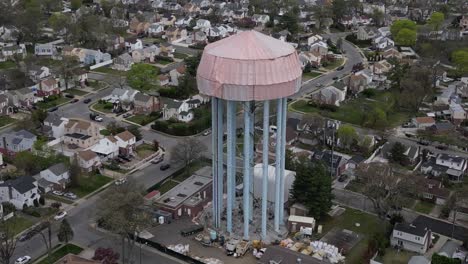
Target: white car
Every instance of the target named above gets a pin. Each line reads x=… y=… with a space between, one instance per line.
x=120 y=181
x=70 y=195
x=60 y=215
x=58 y=193
x=23 y=260
x=98 y=119
x=207 y=132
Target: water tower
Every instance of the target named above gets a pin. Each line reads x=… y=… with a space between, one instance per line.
x=249 y=69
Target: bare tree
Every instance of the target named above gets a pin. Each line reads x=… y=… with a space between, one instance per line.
x=382 y=186
x=44 y=229
x=120 y=211
x=187 y=151
x=7 y=241
x=458 y=200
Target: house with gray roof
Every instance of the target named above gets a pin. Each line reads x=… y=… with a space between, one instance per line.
x=21 y=192
x=54 y=125
x=145 y=104
x=179 y=110
x=58 y=176
x=14 y=142
x=414 y=238
x=123 y=62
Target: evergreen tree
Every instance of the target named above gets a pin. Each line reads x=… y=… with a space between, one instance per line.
x=65 y=233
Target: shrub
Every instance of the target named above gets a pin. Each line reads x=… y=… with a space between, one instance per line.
x=445 y=212
x=163 y=58
x=8 y=208
x=36 y=203
x=42 y=200
x=31 y=211
x=56 y=205
x=369 y=93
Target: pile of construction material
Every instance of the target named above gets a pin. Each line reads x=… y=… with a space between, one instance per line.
x=179 y=248
x=316 y=249
x=212 y=261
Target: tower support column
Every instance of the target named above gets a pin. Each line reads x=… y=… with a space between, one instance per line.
x=246 y=183
x=231 y=160
x=220 y=155
x=279 y=113
x=214 y=141
x=283 y=157
x=266 y=137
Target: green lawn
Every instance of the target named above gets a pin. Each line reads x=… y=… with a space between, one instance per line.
x=368 y=225
x=310 y=75
x=58 y=199
x=144 y=150
x=110 y=71
x=61 y=252
x=337 y=63
x=359 y=111
x=51 y=103
x=6 y=120
x=142 y=119
x=450 y=138
x=7 y=65
x=96 y=85
x=89 y=184
x=19 y=224
x=167 y=186
x=396 y=257
x=102 y=107
x=164 y=62
x=181 y=56
x=423 y=207
x=76 y=92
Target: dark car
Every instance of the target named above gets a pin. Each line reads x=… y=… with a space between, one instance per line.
x=342 y=178
x=442 y=147
x=86 y=101
x=165 y=167
x=69 y=96
x=74 y=101
x=340 y=68
x=53 y=109
x=335 y=78
x=26 y=236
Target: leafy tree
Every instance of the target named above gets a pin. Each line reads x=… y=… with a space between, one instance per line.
x=51 y=5
x=41 y=229
x=347 y=135
x=106 y=256
x=398 y=153
x=398 y=25
x=114 y=128
x=406 y=37
x=65 y=232
x=192 y=64
x=397 y=73
x=120 y=211
x=439 y=259
x=155 y=145
x=136 y=132
x=312 y=188
x=142 y=76
x=289 y=21
x=29 y=20
x=289 y=160
x=322 y=14
x=187 y=151
x=307 y=68
x=38 y=116
x=339 y=9
x=436 y=20
x=75 y=4
x=378 y=17
x=366 y=145
x=382 y=187
x=460 y=58
x=66 y=69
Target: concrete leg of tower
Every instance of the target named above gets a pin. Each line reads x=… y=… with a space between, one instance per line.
x=231 y=159
x=220 y=157
x=214 y=126
x=283 y=157
x=266 y=137
x=279 y=110
x=246 y=183
x=251 y=158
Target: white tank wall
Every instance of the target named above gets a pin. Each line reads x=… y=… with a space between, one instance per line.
x=258 y=178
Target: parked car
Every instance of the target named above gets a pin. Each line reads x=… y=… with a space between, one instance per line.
x=165 y=167
x=340 y=68
x=126 y=115
x=60 y=215
x=74 y=101
x=25 y=236
x=207 y=132
x=53 y=109
x=69 y=96
x=23 y=260
x=442 y=147
x=70 y=195
x=87 y=101
x=98 y=119
x=121 y=181
x=157 y=160
x=58 y=193
x=423 y=142
x=335 y=78
x=342 y=178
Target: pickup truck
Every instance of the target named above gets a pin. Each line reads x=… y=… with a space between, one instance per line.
x=231 y=246
x=242 y=248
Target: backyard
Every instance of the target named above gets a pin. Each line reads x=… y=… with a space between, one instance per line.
x=88 y=184
x=60 y=252
x=6 y=120
x=143 y=120
x=181 y=56
x=396 y=256
x=52 y=101
x=374 y=112
x=76 y=92
x=107 y=70
x=144 y=150
x=335 y=64
x=423 y=207
x=368 y=226
x=7 y=65
x=310 y=75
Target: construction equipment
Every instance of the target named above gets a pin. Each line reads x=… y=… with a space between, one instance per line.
x=257 y=244
x=206 y=241
x=231 y=246
x=242 y=248
x=191 y=230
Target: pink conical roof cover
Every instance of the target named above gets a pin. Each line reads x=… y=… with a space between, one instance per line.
x=249 y=66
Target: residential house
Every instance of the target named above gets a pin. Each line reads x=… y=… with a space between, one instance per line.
x=74 y=259
x=168 y=20
x=392 y=53
x=123 y=62
x=6 y=108
x=320 y=47
x=14 y=142
x=138 y=27
x=452 y=166
x=22 y=192
x=58 y=175
x=47 y=49
x=457 y=113
x=163 y=80
x=382 y=43
x=81 y=133
x=464 y=23
x=191 y=8
x=54 y=125
x=87 y=56
x=314 y=38
x=117 y=95
x=179 y=110
x=88 y=160
x=357 y=83
x=184 y=21
x=176 y=73
x=106 y=148
x=8 y=52
x=23 y=97
x=133 y=44
x=126 y=142
x=145 y=104
x=310 y=57
x=355 y=161
x=381 y=67
x=167 y=49
x=197 y=37
x=334 y=163
x=432 y=190
x=48 y=86
x=411 y=238
x=146 y=54
x=156 y=29
x=441 y=128
x=412 y=154
x=175 y=33
x=261 y=19
x=203 y=24
x=366 y=33
x=453 y=249
x=37 y=73
x=423 y=122
x=329 y=95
